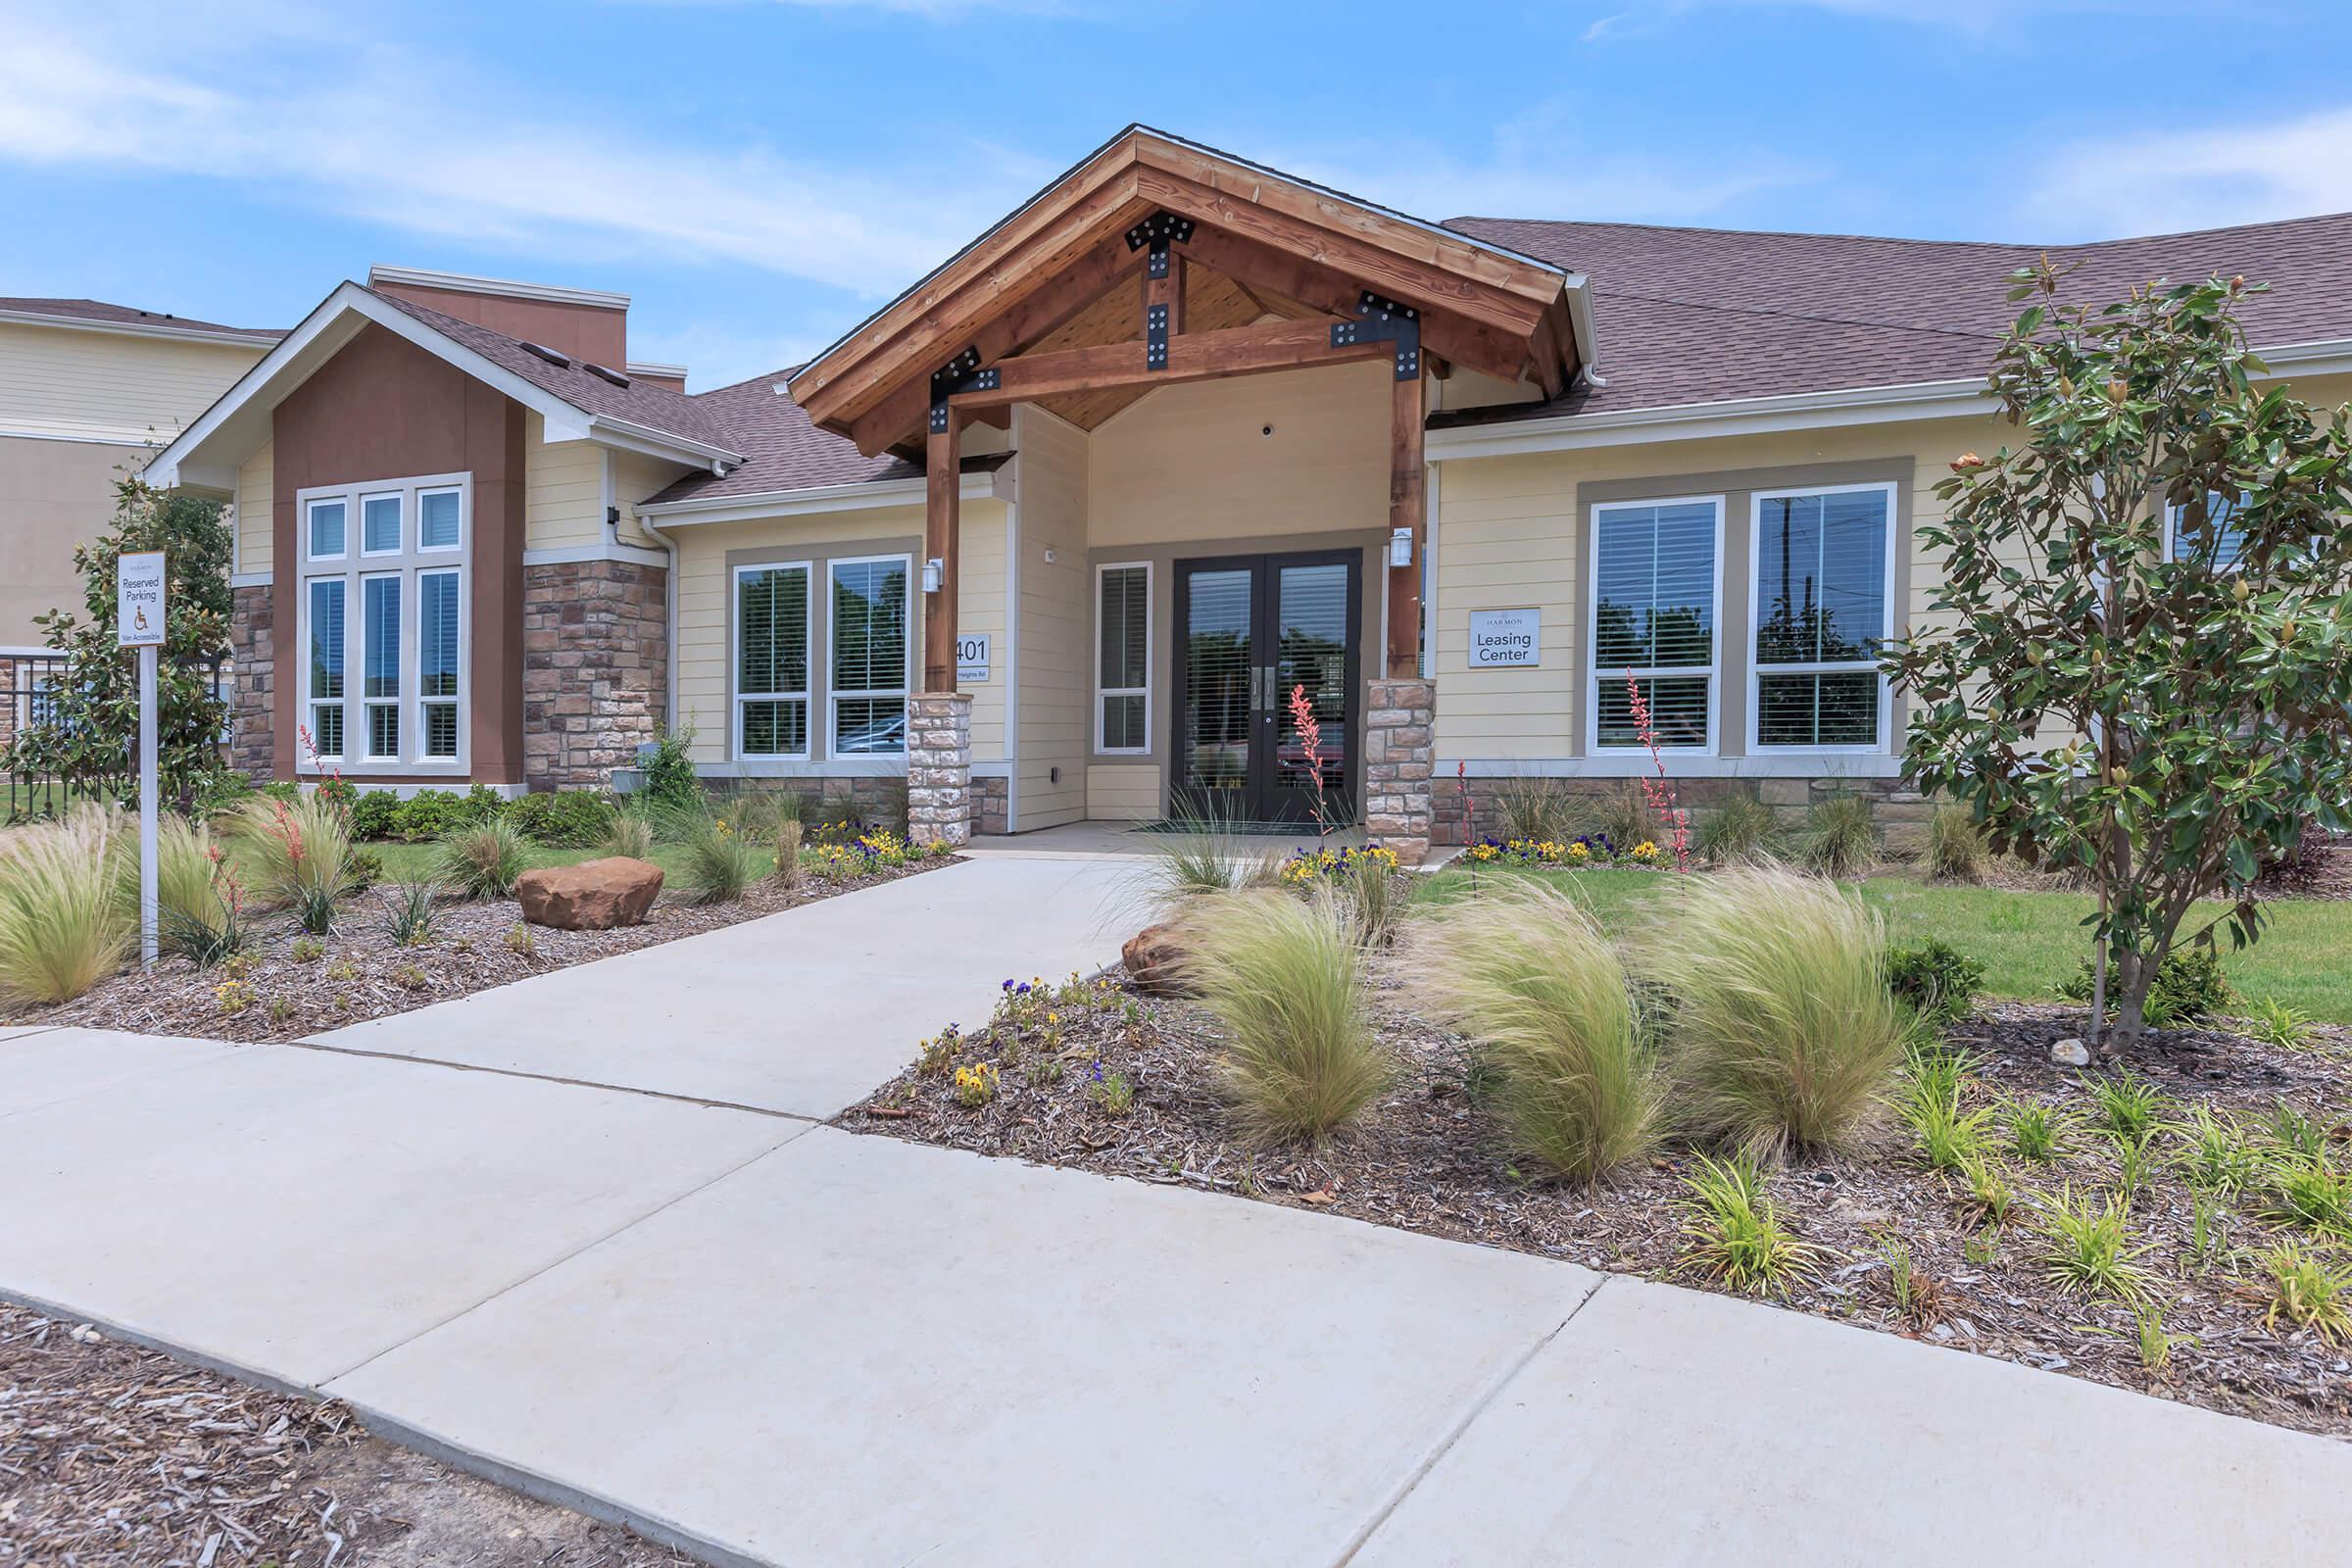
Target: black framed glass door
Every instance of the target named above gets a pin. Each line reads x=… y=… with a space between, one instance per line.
x=1251 y=631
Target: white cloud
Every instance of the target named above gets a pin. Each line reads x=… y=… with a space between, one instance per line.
x=2165 y=182
x=418 y=145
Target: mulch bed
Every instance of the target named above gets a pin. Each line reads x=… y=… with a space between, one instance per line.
x=114 y=1454
x=363 y=973
x=1430 y=1157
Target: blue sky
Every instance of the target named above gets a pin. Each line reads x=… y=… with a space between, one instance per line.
x=761 y=173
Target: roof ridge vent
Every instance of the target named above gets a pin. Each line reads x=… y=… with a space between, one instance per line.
x=545 y=353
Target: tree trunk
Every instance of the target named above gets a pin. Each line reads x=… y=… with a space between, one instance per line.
x=2129 y=994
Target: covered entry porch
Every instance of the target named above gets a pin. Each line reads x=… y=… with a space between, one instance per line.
x=1176 y=600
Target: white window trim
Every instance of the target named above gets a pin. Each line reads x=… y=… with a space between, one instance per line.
x=413 y=675
x=353 y=568
x=1712 y=671
x=905 y=691
x=311 y=501
x=1151 y=647
x=1755 y=625
x=399 y=502
x=403 y=685
x=737 y=697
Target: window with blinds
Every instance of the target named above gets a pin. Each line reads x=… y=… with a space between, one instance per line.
x=869 y=655
x=2215 y=537
x=324 y=676
x=771 y=661
x=383 y=583
x=1123 y=658
x=1653 y=622
x=437 y=626
x=379 y=668
x=1823 y=602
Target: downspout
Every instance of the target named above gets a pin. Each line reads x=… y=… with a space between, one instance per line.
x=669 y=618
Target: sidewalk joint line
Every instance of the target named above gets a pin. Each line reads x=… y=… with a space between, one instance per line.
x=537 y=1077
x=1478 y=1407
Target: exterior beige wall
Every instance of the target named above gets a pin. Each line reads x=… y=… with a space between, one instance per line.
x=53 y=496
x=76 y=384
x=1123 y=792
x=703 y=587
x=1190 y=462
x=637 y=478
x=563 y=490
x=1057 y=621
x=257 y=485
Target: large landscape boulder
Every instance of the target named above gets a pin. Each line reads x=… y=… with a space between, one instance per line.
x=592 y=896
x=1155 y=960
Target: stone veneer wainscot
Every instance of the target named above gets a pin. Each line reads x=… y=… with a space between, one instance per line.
x=595 y=668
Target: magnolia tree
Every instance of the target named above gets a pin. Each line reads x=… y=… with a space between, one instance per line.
x=90 y=724
x=2139 y=665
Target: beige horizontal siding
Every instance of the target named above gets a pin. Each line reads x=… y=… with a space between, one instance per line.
x=1123 y=792
x=73 y=384
x=256 y=486
x=563 y=490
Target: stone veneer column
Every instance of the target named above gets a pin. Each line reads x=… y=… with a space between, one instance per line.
x=939 y=767
x=595 y=668
x=252 y=669
x=1400 y=756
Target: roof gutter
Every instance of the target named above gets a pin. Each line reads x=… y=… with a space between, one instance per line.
x=156 y=330
x=977 y=485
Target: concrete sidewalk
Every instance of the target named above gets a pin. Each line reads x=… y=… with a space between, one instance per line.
x=801 y=1013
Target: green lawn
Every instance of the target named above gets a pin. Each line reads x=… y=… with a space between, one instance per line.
x=2027 y=941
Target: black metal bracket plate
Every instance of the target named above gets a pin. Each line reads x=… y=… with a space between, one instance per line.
x=963 y=373
x=1159 y=231
x=1379 y=320
x=1155 y=337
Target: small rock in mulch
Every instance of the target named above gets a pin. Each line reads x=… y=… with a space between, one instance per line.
x=1431 y=1156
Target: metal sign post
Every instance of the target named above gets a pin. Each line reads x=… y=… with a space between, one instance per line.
x=139 y=625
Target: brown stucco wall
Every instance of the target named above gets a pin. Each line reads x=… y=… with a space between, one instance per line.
x=592 y=332
x=384 y=409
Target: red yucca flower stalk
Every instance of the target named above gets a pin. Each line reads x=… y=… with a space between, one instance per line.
x=1310 y=741
x=1658 y=792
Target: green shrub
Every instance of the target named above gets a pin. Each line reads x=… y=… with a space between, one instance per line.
x=64 y=922
x=1283 y=976
x=1740 y=830
x=427 y=814
x=481 y=862
x=1842 y=837
x=1735 y=1233
x=1936 y=980
x=375 y=816
x=482 y=803
x=1526 y=974
x=337 y=793
x=562 y=819
x=1956 y=848
x=2190 y=988
x=715 y=864
x=1785 y=1031
x=670 y=776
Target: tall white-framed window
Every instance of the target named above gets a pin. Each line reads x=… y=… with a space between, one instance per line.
x=383 y=626
x=2223 y=543
x=1124 y=657
x=1822 y=604
x=772 y=625
x=870 y=609
x=1656 y=573
x=440 y=673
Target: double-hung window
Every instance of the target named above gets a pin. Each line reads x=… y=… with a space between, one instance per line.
x=868 y=644
x=1823 y=606
x=1123 y=658
x=771 y=661
x=1655 y=582
x=382 y=604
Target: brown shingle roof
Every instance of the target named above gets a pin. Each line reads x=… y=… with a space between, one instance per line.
x=780 y=448
x=1703 y=315
x=124 y=316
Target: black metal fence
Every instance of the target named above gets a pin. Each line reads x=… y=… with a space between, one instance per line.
x=28 y=678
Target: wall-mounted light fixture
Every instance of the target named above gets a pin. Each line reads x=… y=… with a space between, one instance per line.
x=935 y=572
x=1401 y=547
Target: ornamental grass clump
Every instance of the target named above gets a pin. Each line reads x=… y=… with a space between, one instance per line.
x=716 y=866
x=296 y=855
x=1283 y=977
x=482 y=861
x=1739 y=832
x=1842 y=838
x=1956 y=848
x=629 y=836
x=65 y=925
x=1205 y=858
x=1526 y=974
x=200 y=911
x=1784 y=1032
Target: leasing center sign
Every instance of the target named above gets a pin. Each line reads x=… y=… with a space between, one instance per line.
x=1506 y=639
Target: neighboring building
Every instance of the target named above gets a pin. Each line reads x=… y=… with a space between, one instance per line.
x=1072 y=517
x=88 y=393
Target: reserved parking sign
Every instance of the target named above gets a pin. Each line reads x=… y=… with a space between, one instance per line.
x=139 y=599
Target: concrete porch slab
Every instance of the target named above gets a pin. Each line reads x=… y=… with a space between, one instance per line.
x=804 y=1011
x=294 y=1212
x=42 y=1068
x=1665 y=1424
x=859 y=1350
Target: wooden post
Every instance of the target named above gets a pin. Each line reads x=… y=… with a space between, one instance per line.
x=1406 y=510
x=942 y=528
x=1168 y=291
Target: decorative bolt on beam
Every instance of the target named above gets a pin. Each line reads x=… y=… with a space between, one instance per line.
x=963 y=373
x=1381 y=320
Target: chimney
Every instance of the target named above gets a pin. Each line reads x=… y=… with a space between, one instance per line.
x=672 y=376
x=582 y=323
